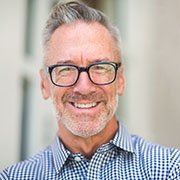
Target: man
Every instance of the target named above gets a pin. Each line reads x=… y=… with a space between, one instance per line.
x=83 y=74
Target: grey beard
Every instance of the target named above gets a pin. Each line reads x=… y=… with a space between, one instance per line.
x=101 y=119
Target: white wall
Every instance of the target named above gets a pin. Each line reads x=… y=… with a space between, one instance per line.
x=11 y=30
x=152 y=44
x=15 y=66
x=165 y=97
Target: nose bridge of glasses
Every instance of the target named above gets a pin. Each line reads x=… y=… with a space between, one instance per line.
x=86 y=70
x=83 y=69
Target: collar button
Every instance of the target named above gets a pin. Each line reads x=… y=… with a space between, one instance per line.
x=78 y=159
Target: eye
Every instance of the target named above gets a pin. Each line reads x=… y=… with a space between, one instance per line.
x=63 y=71
x=102 y=68
x=99 y=67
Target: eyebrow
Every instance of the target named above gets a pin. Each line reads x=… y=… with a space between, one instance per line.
x=65 y=62
x=89 y=62
x=102 y=60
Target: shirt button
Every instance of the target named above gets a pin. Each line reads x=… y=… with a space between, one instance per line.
x=77 y=159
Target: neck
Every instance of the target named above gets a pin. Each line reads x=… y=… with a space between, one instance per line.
x=87 y=146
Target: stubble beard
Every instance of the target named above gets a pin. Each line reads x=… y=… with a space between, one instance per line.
x=86 y=125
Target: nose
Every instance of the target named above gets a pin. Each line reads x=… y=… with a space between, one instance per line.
x=84 y=84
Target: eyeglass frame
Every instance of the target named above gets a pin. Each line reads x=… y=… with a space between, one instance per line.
x=81 y=69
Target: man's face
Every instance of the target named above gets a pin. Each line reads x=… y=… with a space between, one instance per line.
x=84 y=109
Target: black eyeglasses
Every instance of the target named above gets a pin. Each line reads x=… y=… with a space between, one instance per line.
x=100 y=73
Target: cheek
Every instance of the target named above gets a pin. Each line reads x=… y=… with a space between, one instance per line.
x=121 y=83
x=56 y=96
x=112 y=92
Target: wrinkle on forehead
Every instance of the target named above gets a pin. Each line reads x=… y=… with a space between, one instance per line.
x=80 y=40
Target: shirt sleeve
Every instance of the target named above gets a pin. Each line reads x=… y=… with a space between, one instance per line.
x=175 y=174
x=4 y=175
x=175 y=165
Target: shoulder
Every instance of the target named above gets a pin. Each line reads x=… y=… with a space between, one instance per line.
x=143 y=147
x=29 y=168
x=156 y=158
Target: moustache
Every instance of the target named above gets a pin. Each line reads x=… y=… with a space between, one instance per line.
x=75 y=97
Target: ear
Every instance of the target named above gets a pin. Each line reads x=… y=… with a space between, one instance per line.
x=45 y=87
x=121 y=81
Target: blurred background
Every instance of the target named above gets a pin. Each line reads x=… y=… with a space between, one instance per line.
x=150 y=107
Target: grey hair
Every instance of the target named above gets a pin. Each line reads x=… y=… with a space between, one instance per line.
x=65 y=13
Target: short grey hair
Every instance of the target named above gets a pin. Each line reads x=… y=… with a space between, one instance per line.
x=65 y=13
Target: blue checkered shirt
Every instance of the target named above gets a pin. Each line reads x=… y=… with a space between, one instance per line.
x=124 y=157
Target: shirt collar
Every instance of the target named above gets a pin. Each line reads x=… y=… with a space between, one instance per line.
x=60 y=154
x=121 y=140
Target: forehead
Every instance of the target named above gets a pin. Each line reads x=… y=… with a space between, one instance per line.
x=80 y=40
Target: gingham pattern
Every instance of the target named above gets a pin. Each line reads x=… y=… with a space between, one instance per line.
x=124 y=157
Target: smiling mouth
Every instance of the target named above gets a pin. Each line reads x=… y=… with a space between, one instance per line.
x=84 y=106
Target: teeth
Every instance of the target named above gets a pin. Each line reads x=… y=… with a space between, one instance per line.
x=90 y=105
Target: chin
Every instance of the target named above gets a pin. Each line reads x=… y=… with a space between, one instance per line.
x=85 y=128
